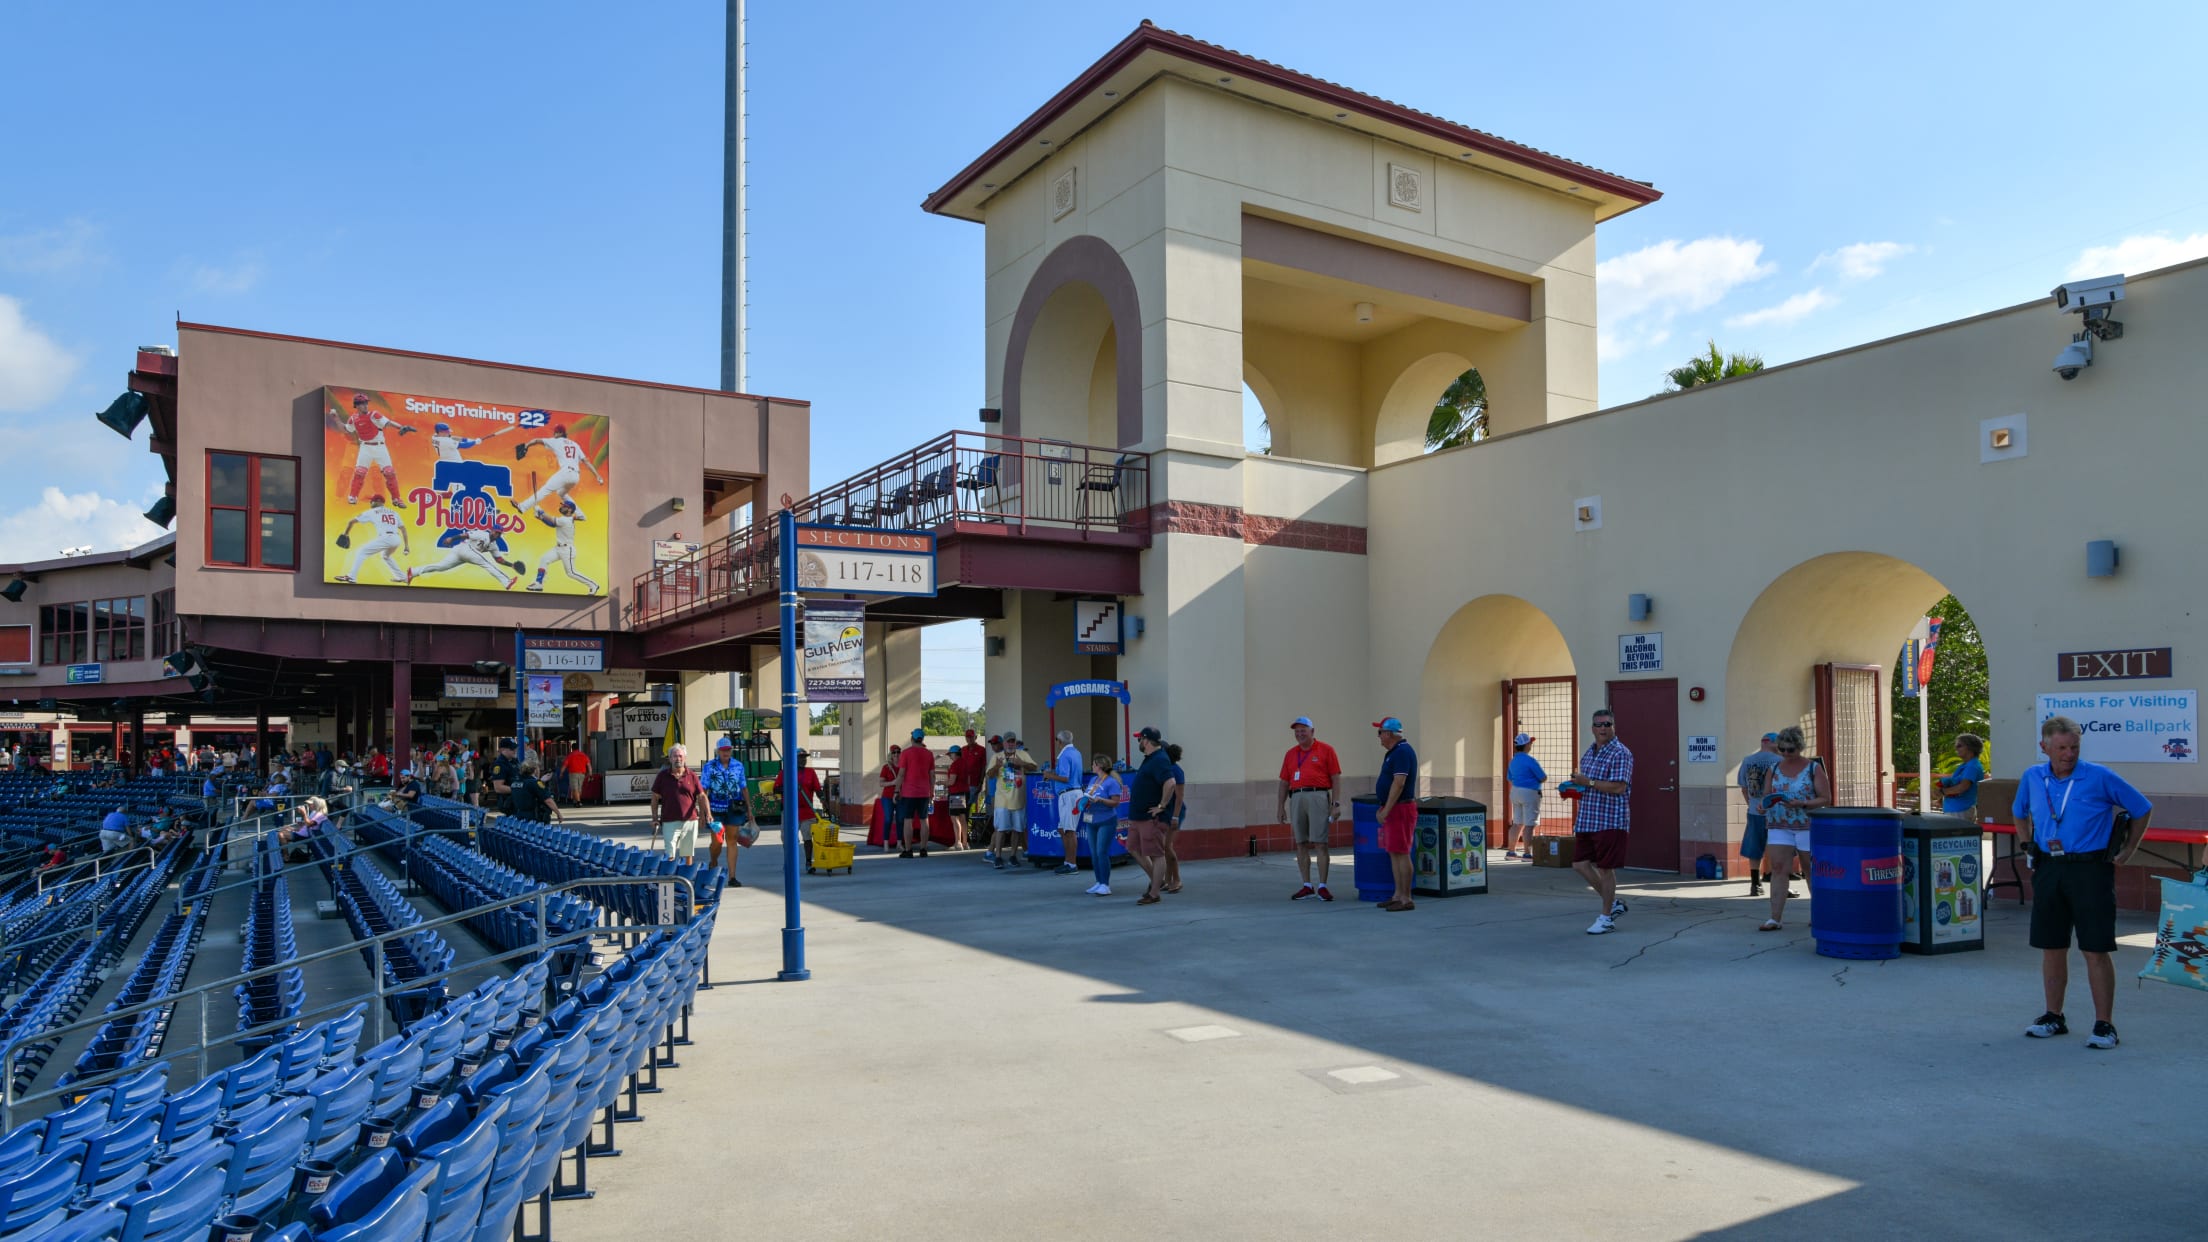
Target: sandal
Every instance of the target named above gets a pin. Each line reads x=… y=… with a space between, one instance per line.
x=1771 y=925
x=1148 y=899
x=1173 y=888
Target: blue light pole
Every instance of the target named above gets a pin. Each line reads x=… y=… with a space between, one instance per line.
x=521 y=697
x=793 y=931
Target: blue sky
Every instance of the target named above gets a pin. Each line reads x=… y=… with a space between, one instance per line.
x=540 y=184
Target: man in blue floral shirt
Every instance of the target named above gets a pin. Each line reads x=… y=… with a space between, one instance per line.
x=729 y=794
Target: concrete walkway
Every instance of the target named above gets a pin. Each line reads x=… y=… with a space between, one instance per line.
x=984 y=1055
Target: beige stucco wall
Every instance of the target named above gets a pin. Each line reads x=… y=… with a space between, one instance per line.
x=262 y=395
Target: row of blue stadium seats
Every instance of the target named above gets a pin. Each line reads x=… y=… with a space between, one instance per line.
x=461 y=878
x=138 y=1164
x=373 y=907
x=558 y=855
x=269 y=939
x=124 y=1042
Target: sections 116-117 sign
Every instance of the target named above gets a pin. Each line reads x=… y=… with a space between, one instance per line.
x=857 y=560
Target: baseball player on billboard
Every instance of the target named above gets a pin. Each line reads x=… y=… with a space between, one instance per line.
x=568 y=458
x=475 y=548
x=563 y=546
x=386 y=531
x=449 y=446
x=364 y=427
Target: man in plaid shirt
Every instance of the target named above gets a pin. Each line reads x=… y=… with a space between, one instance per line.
x=1598 y=841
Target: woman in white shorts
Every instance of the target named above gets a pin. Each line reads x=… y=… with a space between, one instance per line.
x=1797 y=786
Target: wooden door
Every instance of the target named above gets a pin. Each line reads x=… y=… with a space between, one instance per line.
x=1648 y=724
x=1851 y=733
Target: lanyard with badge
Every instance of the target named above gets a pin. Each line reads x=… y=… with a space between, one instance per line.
x=2055 y=813
x=1303 y=754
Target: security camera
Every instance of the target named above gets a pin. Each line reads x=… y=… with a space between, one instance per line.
x=2075 y=357
x=2080 y=294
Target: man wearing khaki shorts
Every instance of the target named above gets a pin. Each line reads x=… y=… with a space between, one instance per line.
x=1309 y=774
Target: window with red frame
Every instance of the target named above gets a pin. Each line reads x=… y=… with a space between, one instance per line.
x=252 y=511
x=167 y=634
x=119 y=629
x=64 y=633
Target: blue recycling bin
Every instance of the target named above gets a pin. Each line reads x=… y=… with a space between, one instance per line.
x=1374 y=879
x=1855 y=882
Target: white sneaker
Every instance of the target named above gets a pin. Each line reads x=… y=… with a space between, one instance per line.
x=534 y=586
x=1102 y=890
x=1602 y=926
x=1092 y=888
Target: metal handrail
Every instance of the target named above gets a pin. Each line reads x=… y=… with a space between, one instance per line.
x=97 y=859
x=10 y=1101
x=1012 y=462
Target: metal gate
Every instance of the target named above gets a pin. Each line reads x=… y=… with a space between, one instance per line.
x=1851 y=732
x=1548 y=708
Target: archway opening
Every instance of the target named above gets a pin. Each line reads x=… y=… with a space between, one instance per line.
x=1407 y=410
x=1468 y=715
x=1818 y=650
x=1066 y=349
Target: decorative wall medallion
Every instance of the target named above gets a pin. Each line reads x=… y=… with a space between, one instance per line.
x=1061 y=194
x=1406 y=188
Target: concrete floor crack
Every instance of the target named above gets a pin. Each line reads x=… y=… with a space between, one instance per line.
x=1673 y=936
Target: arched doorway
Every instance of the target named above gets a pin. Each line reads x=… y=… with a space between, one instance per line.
x=1073 y=357
x=1498 y=666
x=1817 y=650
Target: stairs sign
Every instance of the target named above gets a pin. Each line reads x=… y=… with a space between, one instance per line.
x=1098 y=627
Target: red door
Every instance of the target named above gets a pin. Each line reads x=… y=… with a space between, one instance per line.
x=1648 y=724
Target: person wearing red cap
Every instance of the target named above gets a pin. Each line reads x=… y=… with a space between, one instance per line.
x=1309 y=799
x=968 y=763
x=1397 y=790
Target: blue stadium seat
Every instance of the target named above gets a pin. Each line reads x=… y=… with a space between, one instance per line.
x=464 y=1168
x=119 y=1157
x=439 y=1123
x=248 y=1082
x=189 y=1116
x=397 y=1063
x=81 y=1119
x=268 y=1142
x=176 y=1203
x=38 y=1198
x=101 y=1222
x=22 y=1148
x=527 y=1100
x=342 y=1099
x=401 y=1216
x=355 y=1194
x=140 y=1092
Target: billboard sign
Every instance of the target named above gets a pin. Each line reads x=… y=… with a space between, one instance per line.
x=545 y=698
x=474 y=496
x=835 y=652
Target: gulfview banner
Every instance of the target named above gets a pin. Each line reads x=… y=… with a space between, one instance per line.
x=835 y=652
x=463 y=495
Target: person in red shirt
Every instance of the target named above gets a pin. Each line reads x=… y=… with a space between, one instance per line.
x=678 y=802
x=808 y=789
x=915 y=794
x=577 y=767
x=379 y=766
x=1310 y=776
x=969 y=766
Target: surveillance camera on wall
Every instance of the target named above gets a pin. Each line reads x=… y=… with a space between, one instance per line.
x=2081 y=294
x=2075 y=357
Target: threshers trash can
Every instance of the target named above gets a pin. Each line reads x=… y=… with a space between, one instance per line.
x=1374 y=879
x=1943 y=905
x=1855 y=882
x=1449 y=848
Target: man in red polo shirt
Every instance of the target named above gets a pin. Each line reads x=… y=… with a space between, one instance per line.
x=915 y=794
x=1308 y=801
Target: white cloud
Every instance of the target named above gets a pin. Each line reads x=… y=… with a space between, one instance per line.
x=66 y=248
x=1794 y=308
x=34 y=368
x=60 y=520
x=1862 y=260
x=1640 y=293
x=237 y=278
x=2140 y=253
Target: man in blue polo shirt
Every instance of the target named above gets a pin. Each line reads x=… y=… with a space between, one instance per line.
x=2065 y=812
x=1397 y=789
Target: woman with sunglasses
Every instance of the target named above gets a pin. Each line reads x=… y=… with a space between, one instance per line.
x=1797 y=785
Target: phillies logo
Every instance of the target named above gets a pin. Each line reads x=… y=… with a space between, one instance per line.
x=468 y=511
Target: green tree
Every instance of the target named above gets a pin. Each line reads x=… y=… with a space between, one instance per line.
x=1460 y=417
x=941 y=719
x=1711 y=367
x=1960 y=702
x=827 y=718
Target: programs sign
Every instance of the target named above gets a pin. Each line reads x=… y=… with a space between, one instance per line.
x=835 y=652
x=475 y=496
x=2137 y=726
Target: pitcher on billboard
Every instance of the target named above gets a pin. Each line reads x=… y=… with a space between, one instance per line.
x=476 y=511
x=388 y=531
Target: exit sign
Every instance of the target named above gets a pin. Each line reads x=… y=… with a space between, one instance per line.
x=2126 y=664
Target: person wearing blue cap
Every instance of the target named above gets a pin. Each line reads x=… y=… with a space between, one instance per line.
x=1525 y=778
x=1754 y=777
x=1397 y=790
x=915 y=793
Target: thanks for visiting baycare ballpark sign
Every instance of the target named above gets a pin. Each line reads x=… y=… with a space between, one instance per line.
x=476 y=496
x=2132 y=726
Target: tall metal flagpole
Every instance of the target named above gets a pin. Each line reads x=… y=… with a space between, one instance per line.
x=735 y=325
x=793 y=931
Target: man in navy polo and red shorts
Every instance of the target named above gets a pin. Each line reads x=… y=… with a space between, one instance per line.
x=1598 y=832
x=1397 y=790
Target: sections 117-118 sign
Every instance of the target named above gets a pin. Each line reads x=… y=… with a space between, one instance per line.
x=857 y=560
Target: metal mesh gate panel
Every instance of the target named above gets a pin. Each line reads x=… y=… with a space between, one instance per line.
x=1855 y=740
x=1545 y=709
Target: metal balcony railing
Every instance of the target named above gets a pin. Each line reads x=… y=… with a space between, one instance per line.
x=974 y=482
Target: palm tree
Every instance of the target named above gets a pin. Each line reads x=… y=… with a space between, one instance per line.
x=1710 y=368
x=1460 y=417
